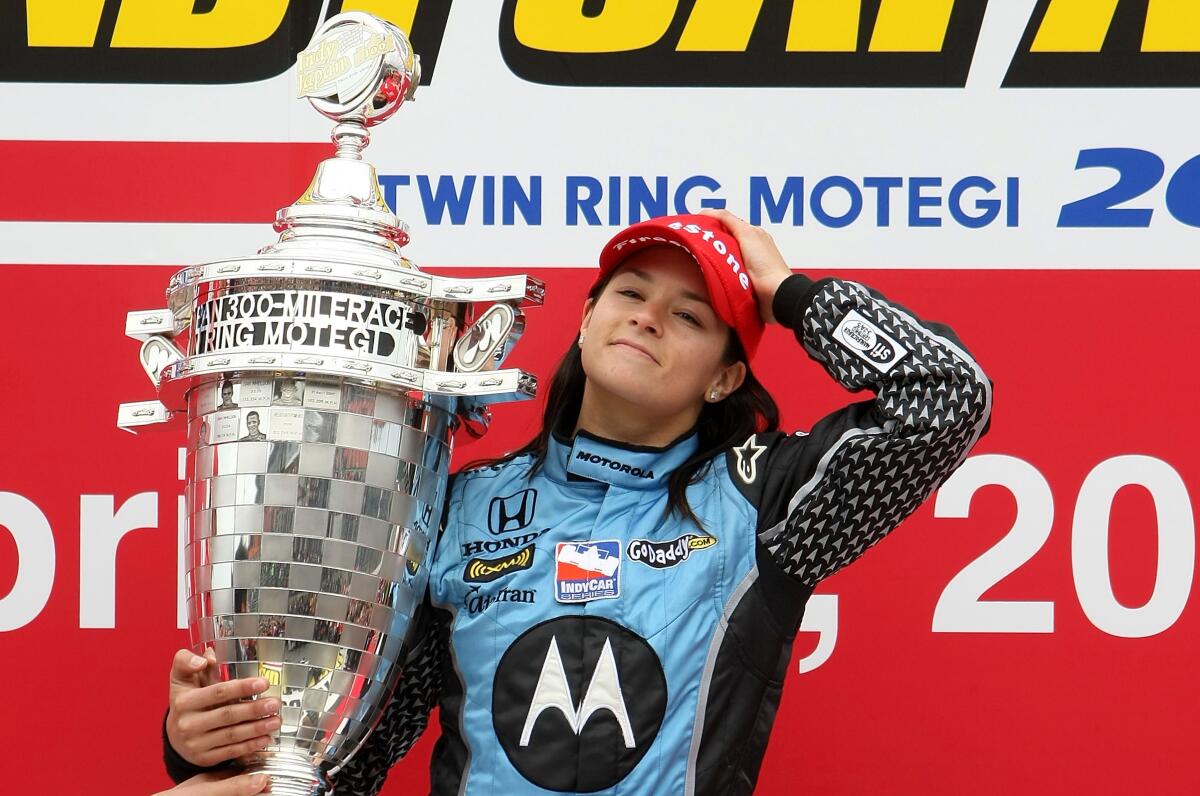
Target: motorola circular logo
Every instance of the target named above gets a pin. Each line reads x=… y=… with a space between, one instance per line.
x=576 y=703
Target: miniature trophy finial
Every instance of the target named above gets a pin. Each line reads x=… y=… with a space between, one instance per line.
x=357 y=70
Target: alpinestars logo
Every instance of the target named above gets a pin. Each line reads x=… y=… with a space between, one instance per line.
x=576 y=703
x=746 y=458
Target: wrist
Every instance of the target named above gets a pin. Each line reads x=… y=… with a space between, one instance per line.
x=766 y=290
x=791 y=299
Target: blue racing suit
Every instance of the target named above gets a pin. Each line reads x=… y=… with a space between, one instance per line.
x=583 y=639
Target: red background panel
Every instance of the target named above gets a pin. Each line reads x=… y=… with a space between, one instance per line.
x=162 y=181
x=1087 y=366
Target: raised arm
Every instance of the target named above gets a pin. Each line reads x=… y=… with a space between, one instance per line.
x=840 y=489
x=826 y=496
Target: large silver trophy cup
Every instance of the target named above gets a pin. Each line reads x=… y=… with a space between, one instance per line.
x=322 y=380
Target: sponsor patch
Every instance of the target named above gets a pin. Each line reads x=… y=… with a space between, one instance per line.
x=512 y=512
x=577 y=701
x=747 y=459
x=613 y=464
x=868 y=342
x=661 y=555
x=587 y=571
x=486 y=570
x=474 y=548
x=477 y=601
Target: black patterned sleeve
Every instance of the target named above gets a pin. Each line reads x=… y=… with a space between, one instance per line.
x=405 y=717
x=826 y=496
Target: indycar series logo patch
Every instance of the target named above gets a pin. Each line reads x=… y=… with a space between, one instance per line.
x=586 y=571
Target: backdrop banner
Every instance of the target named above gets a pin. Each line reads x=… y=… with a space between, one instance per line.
x=1020 y=170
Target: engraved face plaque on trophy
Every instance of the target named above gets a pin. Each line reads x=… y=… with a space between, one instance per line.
x=321 y=381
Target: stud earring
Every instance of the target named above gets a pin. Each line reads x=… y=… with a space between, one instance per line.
x=581 y=336
x=714 y=395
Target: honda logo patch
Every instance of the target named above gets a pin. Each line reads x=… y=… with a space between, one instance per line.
x=512 y=512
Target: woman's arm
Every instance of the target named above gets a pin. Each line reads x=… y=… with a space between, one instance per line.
x=833 y=493
x=825 y=497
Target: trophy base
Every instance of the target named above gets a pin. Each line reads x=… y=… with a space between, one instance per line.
x=291 y=775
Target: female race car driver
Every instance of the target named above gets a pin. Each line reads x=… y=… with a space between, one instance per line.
x=612 y=607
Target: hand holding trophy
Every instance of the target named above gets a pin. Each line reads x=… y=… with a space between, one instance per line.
x=322 y=380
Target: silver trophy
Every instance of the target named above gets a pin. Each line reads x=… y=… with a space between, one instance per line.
x=323 y=380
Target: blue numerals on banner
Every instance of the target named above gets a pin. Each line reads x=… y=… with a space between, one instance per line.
x=1138 y=172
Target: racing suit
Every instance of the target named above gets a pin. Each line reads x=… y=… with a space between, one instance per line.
x=582 y=639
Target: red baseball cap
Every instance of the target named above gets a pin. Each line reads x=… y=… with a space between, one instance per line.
x=720 y=260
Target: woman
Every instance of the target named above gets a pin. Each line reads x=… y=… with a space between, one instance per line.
x=613 y=605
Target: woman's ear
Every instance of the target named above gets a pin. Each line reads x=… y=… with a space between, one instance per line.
x=588 y=306
x=728 y=379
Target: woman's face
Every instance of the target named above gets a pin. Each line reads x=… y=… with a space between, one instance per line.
x=653 y=340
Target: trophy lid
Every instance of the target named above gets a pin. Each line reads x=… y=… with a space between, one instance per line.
x=357 y=70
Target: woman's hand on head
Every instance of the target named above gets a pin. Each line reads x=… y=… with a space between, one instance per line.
x=760 y=256
x=207 y=722
x=225 y=783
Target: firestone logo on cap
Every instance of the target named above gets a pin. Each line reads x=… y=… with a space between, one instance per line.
x=708 y=235
x=647 y=239
x=718 y=246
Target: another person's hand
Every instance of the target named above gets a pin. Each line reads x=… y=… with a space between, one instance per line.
x=206 y=723
x=226 y=783
x=760 y=256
